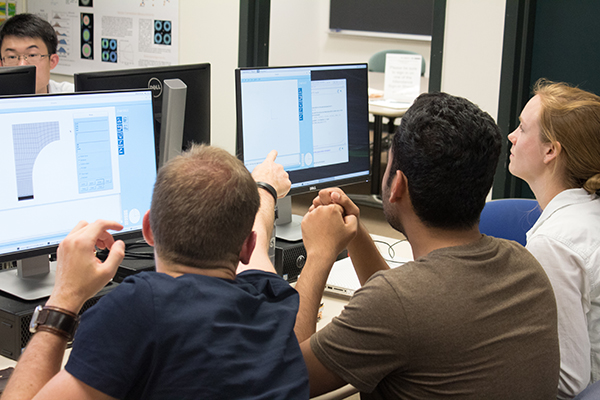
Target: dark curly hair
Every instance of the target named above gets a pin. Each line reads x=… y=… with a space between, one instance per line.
x=448 y=148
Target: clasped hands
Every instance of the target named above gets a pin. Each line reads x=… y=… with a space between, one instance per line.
x=330 y=224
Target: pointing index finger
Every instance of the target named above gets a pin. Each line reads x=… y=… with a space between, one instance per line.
x=272 y=155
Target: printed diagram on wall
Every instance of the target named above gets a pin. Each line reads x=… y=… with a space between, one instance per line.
x=109 y=50
x=110 y=34
x=162 y=32
x=7 y=10
x=63 y=32
x=150 y=3
x=87 y=36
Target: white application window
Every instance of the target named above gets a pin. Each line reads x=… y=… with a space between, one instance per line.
x=271 y=112
x=330 y=122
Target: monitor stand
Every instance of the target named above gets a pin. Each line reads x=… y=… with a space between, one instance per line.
x=31 y=280
x=172 y=117
x=287 y=225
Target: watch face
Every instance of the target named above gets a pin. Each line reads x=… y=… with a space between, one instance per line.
x=34 y=319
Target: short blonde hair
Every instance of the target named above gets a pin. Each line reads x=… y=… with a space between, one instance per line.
x=571 y=117
x=203 y=208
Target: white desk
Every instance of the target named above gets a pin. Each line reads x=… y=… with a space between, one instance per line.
x=333 y=305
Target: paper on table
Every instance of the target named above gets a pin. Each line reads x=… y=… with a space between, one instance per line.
x=399 y=105
x=402 y=80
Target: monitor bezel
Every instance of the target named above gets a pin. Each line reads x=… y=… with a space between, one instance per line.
x=318 y=186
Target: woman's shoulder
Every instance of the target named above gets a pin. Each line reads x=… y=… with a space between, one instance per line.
x=575 y=225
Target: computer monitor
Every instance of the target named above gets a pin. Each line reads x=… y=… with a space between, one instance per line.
x=196 y=77
x=316 y=117
x=66 y=158
x=17 y=80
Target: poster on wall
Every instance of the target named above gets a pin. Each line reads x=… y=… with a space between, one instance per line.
x=9 y=8
x=111 y=34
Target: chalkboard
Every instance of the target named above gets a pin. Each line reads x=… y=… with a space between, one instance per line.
x=386 y=17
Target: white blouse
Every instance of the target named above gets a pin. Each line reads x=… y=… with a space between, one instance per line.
x=566 y=242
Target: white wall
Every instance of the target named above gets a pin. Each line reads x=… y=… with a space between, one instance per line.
x=473 y=51
x=300 y=35
x=210 y=33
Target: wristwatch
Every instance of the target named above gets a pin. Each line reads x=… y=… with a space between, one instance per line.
x=54 y=320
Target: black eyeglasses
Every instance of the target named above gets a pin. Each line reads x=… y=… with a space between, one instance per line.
x=33 y=59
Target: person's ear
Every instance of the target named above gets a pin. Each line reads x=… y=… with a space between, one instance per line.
x=248 y=248
x=146 y=230
x=551 y=152
x=398 y=187
x=53 y=60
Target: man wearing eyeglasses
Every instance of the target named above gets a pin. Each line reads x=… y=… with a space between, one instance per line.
x=27 y=39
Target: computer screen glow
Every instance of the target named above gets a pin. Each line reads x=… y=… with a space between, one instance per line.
x=72 y=157
x=316 y=117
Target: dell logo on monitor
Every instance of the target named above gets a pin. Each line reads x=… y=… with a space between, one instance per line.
x=156 y=86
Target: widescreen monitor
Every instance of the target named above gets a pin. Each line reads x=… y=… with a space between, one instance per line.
x=196 y=77
x=17 y=80
x=316 y=117
x=66 y=158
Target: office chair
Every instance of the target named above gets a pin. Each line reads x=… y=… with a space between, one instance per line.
x=377 y=60
x=592 y=392
x=377 y=64
x=509 y=218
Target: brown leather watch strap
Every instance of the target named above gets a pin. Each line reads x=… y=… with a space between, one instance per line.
x=57 y=321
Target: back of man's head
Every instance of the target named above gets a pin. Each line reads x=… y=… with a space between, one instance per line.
x=448 y=148
x=203 y=208
x=30 y=26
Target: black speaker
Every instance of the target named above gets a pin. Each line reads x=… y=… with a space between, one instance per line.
x=15 y=317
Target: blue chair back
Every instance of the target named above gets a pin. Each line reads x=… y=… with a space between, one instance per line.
x=509 y=218
x=592 y=392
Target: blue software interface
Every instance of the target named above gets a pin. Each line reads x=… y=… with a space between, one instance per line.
x=71 y=157
x=306 y=119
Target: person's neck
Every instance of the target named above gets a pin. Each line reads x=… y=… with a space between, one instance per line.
x=546 y=188
x=214 y=269
x=424 y=239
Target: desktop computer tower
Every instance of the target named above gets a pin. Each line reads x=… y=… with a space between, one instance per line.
x=290 y=258
x=16 y=314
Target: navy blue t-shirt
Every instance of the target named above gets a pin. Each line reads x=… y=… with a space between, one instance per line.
x=193 y=337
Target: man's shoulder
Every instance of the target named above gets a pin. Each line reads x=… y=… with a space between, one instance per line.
x=496 y=256
x=265 y=281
